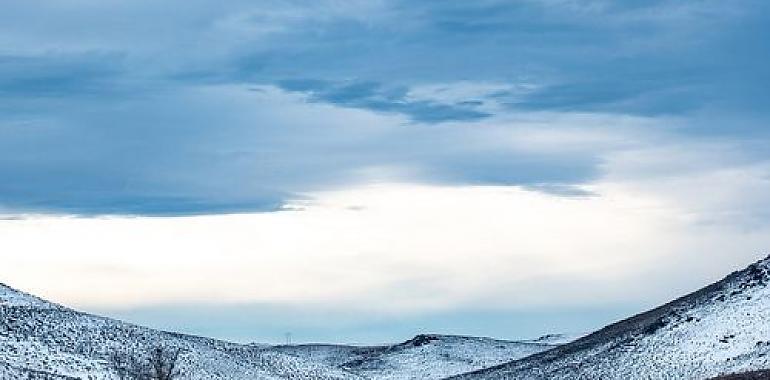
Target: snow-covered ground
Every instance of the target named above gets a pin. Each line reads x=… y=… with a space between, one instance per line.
x=723 y=328
x=556 y=339
x=10 y=297
x=425 y=356
x=39 y=339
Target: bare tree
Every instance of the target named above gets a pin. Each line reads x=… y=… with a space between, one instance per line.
x=119 y=364
x=160 y=363
x=164 y=363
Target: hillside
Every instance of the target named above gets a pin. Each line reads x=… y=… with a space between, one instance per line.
x=717 y=331
x=426 y=356
x=753 y=375
x=38 y=338
x=42 y=340
x=723 y=328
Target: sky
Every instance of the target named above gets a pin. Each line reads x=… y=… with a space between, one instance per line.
x=361 y=171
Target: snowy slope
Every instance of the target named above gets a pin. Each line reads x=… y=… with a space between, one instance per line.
x=723 y=328
x=11 y=297
x=8 y=372
x=38 y=338
x=753 y=375
x=422 y=357
x=556 y=339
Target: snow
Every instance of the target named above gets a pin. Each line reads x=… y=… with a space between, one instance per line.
x=38 y=338
x=556 y=339
x=12 y=297
x=426 y=356
x=721 y=329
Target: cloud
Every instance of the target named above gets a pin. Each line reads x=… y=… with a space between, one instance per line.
x=373 y=96
x=234 y=149
x=409 y=256
x=156 y=118
x=57 y=75
x=719 y=184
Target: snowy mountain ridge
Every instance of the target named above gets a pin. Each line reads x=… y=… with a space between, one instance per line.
x=426 y=356
x=41 y=340
x=723 y=328
x=11 y=297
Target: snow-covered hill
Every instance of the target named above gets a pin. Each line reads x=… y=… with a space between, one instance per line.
x=39 y=339
x=13 y=298
x=42 y=340
x=556 y=339
x=422 y=357
x=723 y=328
x=753 y=375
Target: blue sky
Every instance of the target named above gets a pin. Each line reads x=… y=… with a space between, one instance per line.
x=134 y=109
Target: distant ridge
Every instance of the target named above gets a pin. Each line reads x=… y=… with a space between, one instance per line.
x=42 y=340
x=12 y=297
x=720 y=330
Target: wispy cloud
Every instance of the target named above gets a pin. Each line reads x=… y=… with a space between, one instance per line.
x=375 y=97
